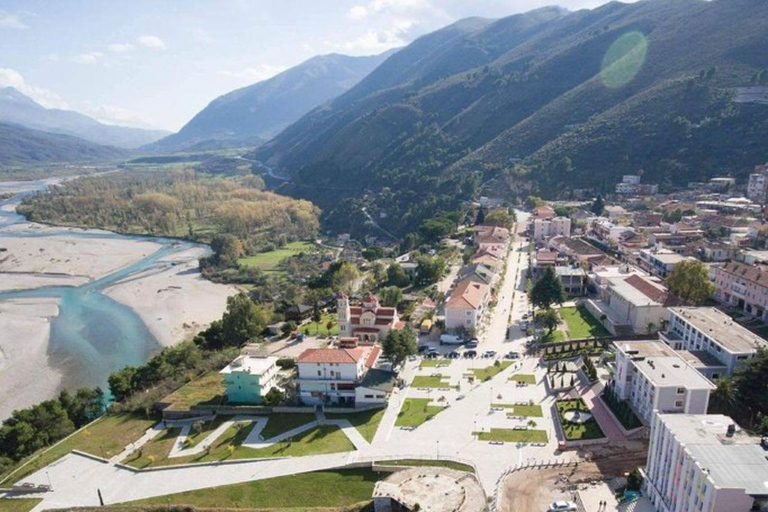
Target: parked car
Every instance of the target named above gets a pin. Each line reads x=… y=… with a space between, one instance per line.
x=423 y=348
x=489 y=353
x=471 y=344
x=563 y=506
x=511 y=355
x=432 y=353
x=470 y=353
x=524 y=325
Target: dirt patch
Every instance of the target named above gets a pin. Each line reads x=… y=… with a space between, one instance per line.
x=535 y=489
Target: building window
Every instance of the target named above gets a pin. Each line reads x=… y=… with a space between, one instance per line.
x=680 y=391
x=679 y=403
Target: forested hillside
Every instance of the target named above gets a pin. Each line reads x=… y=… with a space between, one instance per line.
x=557 y=98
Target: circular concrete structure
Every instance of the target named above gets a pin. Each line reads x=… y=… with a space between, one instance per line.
x=433 y=489
x=576 y=416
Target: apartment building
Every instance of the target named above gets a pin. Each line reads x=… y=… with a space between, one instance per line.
x=660 y=262
x=653 y=377
x=466 y=305
x=705 y=463
x=489 y=236
x=544 y=229
x=710 y=340
x=332 y=375
x=757 y=188
x=744 y=287
x=249 y=378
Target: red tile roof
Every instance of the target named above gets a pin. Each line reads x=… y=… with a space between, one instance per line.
x=373 y=355
x=756 y=274
x=468 y=293
x=331 y=355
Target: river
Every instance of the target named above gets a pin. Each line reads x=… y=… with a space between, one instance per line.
x=92 y=335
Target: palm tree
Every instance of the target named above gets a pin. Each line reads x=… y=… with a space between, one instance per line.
x=650 y=327
x=724 y=395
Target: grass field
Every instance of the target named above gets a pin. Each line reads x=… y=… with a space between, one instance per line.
x=302 y=492
x=208 y=427
x=573 y=431
x=155 y=450
x=523 y=377
x=321 y=328
x=489 y=372
x=270 y=261
x=430 y=464
x=207 y=389
x=431 y=381
x=416 y=411
x=279 y=423
x=581 y=323
x=366 y=422
x=509 y=435
x=432 y=363
x=18 y=504
x=531 y=411
x=105 y=438
x=316 y=441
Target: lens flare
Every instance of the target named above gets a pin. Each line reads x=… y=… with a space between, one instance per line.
x=624 y=59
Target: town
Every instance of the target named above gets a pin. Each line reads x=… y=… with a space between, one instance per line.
x=583 y=355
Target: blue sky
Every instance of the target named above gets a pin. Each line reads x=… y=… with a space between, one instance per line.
x=156 y=63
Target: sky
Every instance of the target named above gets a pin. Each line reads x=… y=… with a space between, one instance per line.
x=156 y=63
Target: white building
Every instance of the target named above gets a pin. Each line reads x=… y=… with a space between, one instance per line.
x=712 y=341
x=332 y=375
x=544 y=229
x=661 y=262
x=652 y=377
x=757 y=188
x=704 y=463
x=466 y=306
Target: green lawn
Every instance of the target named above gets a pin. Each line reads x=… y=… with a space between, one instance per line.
x=206 y=389
x=574 y=432
x=155 y=450
x=316 y=441
x=270 y=261
x=106 y=438
x=18 y=504
x=490 y=372
x=416 y=411
x=430 y=464
x=321 y=328
x=532 y=411
x=432 y=363
x=524 y=377
x=366 y=422
x=208 y=427
x=283 y=422
x=431 y=381
x=581 y=323
x=553 y=337
x=509 y=435
x=302 y=492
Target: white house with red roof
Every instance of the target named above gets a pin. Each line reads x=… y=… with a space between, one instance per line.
x=367 y=322
x=334 y=375
x=465 y=307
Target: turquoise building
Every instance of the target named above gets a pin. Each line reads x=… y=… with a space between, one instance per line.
x=248 y=378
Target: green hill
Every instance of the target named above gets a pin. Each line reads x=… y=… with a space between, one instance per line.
x=622 y=87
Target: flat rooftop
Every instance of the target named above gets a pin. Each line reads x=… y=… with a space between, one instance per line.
x=250 y=364
x=668 y=258
x=700 y=359
x=633 y=294
x=662 y=366
x=721 y=328
x=737 y=462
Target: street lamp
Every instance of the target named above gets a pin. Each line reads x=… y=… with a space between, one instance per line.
x=438 y=449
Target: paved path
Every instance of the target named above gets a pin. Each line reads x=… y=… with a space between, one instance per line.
x=601 y=413
x=150 y=434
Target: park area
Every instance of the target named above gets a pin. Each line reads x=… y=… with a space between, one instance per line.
x=513 y=435
x=270 y=261
x=580 y=324
x=416 y=411
x=577 y=420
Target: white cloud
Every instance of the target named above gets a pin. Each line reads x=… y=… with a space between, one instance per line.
x=358 y=12
x=8 y=20
x=253 y=74
x=151 y=42
x=12 y=78
x=88 y=58
x=120 y=47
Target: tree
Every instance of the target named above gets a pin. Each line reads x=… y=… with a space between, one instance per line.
x=724 y=396
x=432 y=230
x=549 y=319
x=429 y=270
x=345 y=278
x=242 y=322
x=121 y=383
x=501 y=217
x=547 y=290
x=373 y=253
x=399 y=344
x=689 y=280
x=274 y=397
x=390 y=296
x=227 y=249
x=84 y=406
x=751 y=381
x=598 y=205
x=396 y=276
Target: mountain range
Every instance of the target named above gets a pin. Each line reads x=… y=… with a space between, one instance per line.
x=16 y=108
x=540 y=103
x=254 y=114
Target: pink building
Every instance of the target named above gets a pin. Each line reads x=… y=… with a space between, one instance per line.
x=744 y=287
